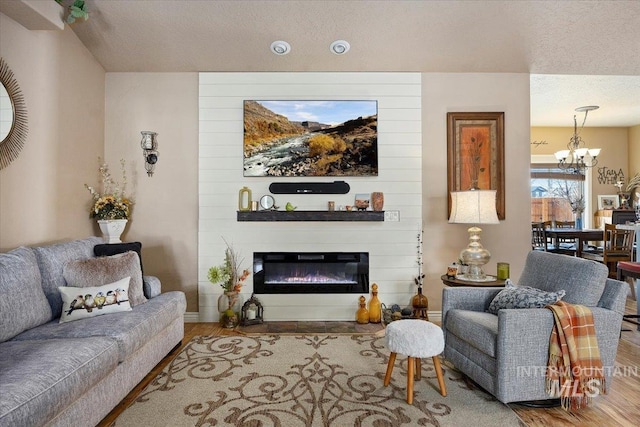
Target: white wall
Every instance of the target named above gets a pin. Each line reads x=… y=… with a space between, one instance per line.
x=391 y=245
x=509 y=241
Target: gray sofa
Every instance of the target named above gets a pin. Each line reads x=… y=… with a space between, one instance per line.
x=73 y=373
x=506 y=353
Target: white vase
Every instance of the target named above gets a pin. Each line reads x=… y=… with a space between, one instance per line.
x=112 y=229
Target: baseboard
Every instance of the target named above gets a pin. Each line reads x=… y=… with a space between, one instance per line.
x=435 y=316
x=194 y=316
x=191 y=317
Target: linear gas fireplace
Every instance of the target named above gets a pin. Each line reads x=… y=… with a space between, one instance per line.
x=311 y=272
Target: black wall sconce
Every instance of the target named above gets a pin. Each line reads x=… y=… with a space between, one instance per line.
x=150 y=153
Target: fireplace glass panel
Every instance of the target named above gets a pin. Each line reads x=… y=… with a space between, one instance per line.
x=293 y=273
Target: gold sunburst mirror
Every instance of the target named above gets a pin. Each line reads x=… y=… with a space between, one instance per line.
x=13 y=116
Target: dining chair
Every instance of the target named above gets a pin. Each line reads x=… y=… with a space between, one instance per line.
x=564 y=243
x=618 y=246
x=539 y=240
x=565 y=224
x=560 y=245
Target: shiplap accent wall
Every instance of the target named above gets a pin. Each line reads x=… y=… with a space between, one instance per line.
x=391 y=245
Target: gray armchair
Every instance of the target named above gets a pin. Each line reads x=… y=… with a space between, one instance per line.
x=507 y=354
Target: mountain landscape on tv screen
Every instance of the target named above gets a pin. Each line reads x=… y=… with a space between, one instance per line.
x=278 y=145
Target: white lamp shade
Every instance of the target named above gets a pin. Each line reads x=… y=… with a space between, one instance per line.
x=581 y=152
x=474 y=207
x=561 y=155
x=593 y=152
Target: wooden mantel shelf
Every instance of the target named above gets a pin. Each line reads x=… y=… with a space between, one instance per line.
x=311 y=216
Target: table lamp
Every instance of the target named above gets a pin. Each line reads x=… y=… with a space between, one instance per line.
x=474 y=207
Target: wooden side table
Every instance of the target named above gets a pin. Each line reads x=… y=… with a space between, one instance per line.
x=457 y=282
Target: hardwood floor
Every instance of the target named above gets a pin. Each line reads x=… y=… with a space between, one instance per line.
x=619 y=407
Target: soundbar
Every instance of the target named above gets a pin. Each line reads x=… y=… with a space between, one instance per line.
x=336 y=187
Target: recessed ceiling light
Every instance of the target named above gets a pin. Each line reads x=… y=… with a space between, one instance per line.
x=340 y=47
x=280 y=47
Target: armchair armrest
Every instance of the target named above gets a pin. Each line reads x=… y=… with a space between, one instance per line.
x=522 y=346
x=522 y=351
x=151 y=286
x=614 y=296
x=524 y=327
x=466 y=298
x=518 y=326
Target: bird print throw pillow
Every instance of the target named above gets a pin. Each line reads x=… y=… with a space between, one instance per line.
x=97 y=271
x=81 y=303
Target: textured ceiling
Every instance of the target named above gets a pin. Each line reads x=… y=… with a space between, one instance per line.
x=554 y=99
x=565 y=39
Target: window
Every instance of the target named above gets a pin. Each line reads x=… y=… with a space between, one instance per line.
x=555 y=193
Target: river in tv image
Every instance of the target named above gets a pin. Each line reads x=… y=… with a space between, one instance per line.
x=338 y=138
x=289 y=155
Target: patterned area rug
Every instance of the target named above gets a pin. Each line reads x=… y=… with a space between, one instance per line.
x=311 y=380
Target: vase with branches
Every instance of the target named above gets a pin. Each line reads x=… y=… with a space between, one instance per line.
x=420 y=302
x=230 y=276
x=572 y=192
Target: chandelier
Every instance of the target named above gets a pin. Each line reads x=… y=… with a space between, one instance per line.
x=578 y=157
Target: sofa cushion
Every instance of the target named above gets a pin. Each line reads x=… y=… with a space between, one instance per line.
x=478 y=329
x=98 y=271
x=513 y=296
x=82 y=303
x=23 y=304
x=130 y=329
x=51 y=260
x=465 y=356
x=582 y=279
x=109 y=249
x=39 y=379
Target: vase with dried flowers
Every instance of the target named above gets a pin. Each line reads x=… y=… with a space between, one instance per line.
x=230 y=276
x=572 y=192
x=420 y=302
x=111 y=207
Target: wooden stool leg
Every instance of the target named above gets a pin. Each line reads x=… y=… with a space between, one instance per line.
x=410 y=366
x=418 y=368
x=436 y=364
x=387 y=377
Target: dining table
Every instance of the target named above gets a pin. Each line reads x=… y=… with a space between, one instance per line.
x=581 y=235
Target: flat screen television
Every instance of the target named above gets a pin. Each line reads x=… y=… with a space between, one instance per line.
x=310 y=138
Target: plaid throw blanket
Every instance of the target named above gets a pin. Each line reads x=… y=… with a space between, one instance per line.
x=574 y=371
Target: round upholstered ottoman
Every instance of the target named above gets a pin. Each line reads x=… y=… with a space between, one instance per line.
x=415 y=339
